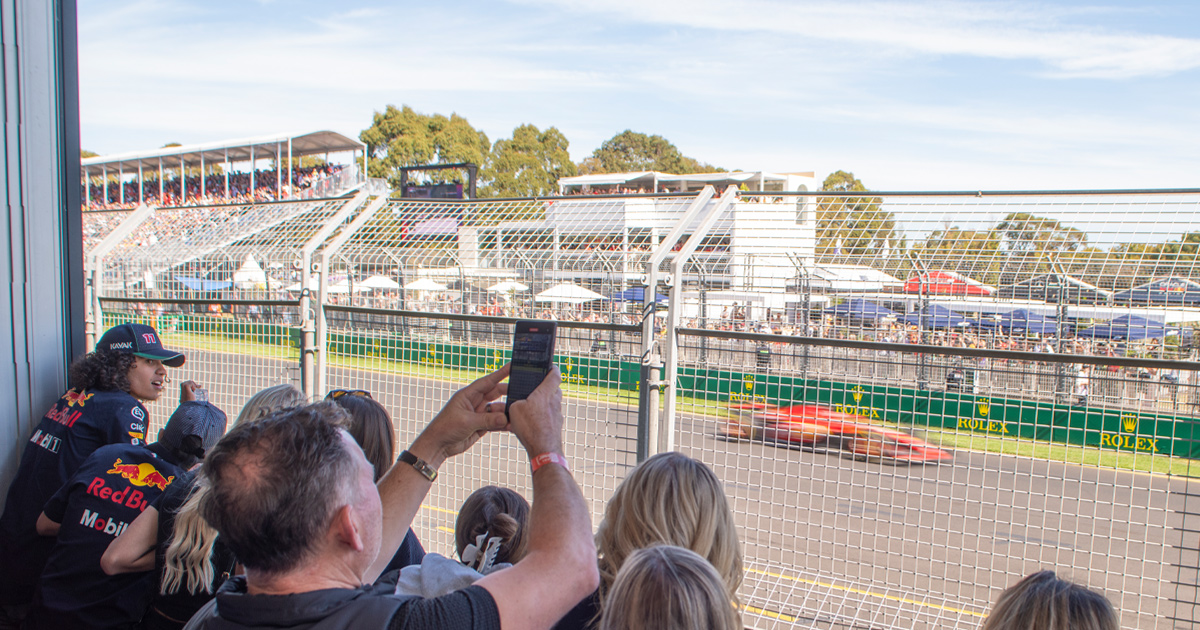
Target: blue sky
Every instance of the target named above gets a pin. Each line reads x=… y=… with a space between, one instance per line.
x=953 y=95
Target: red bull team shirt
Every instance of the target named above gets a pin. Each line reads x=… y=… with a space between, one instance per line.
x=78 y=424
x=112 y=487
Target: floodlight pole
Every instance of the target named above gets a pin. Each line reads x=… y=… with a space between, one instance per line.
x=649 y=383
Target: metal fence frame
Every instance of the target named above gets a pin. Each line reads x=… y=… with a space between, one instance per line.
x=662 y=354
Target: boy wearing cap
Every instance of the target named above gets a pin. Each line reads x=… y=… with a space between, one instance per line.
x=112 y=487
x=103 y=407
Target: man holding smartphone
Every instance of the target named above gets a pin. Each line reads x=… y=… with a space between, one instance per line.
x=292 y=496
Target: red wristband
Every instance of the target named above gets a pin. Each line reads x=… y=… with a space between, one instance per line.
x=548 y=458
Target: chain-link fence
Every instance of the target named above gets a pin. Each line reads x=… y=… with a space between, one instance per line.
x=913 y=400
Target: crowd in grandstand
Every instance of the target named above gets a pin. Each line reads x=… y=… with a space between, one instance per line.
x=264 y=187
x=298 y=517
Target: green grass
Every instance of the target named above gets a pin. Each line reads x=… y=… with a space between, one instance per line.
x=1068 y=453
x=948 y=438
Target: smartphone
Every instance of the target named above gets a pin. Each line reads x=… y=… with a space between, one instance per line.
x=532 y=355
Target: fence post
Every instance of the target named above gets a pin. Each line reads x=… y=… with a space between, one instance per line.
x=308 y=316
x=648 y=413
x=709 y=215
x=321 y=268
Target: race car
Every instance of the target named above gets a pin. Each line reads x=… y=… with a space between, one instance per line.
x=818 y=426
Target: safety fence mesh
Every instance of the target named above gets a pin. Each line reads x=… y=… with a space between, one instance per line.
x=913 y=400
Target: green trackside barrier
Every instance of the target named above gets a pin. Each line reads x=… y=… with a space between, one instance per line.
x=1116 y=430
x=267 y=334
x=1107 y=429
x=603 y=372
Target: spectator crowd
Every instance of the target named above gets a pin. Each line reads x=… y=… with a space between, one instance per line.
x=299 y=517
x=263 y=186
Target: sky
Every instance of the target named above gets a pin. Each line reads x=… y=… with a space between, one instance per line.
x=931 y=95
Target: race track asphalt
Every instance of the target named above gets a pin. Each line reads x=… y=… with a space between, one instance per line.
x=831 y=542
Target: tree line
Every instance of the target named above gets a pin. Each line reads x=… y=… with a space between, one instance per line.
x=859 y=230
x=527 y=164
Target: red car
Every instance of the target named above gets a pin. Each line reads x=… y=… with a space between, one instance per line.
x=812 y=425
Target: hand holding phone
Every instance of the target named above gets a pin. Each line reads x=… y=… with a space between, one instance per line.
x=532 y=355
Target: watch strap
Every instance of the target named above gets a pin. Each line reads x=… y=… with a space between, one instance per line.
x=418 y=464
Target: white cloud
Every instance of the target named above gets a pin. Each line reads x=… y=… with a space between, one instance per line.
x=1013 y=31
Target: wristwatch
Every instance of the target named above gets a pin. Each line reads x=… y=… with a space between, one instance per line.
x=418 y=464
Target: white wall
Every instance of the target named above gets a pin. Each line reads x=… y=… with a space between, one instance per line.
x=41 y=261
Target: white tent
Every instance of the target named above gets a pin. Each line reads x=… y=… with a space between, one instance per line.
x=250 y=274
x=380 y=282
x=506 y=286
x=567 y=293
x=424 y=284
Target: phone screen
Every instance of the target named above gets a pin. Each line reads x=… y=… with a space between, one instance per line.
x=533 y=351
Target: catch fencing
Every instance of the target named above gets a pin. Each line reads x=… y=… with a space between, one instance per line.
x=812 y=348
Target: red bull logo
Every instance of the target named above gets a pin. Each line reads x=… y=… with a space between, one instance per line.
x=73 y=397
x=144 y=474
x=126 y=496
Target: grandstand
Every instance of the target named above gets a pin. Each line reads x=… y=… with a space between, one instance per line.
x=205 y=174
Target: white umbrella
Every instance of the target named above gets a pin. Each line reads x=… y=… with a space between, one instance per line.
x=567 y=294
x=344 y=287
x=295 y=288
x=380 y=282
x=425 y=284
x=508 y=285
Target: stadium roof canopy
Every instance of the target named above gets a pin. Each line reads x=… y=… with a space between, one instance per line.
x=241 y=150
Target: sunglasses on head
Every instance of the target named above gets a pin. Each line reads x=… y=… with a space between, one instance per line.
x=338 y=393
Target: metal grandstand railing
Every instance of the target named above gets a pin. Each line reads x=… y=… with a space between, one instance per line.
x=799 y=342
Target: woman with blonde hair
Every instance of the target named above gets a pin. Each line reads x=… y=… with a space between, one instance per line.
x=1042 y=601
x=669 y=499
x=668 y=588
x=171 y=537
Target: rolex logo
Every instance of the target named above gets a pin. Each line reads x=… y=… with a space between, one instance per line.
x=983 y=408
x=857 y=394
x=1129 y=422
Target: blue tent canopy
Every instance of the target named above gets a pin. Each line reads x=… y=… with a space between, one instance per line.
x=200 y=284
x=1126 y=327
x=939 y=317
x=636 y=294
x=1024 y=321
x=858 y=308
x=1169 y=290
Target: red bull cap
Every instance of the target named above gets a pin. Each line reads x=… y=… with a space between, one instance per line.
x=140 y=340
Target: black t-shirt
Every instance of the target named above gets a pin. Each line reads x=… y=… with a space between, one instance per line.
x=583 y=616
x=77 y=425
x=367 y=608
x=109 y=490
x=182 y=604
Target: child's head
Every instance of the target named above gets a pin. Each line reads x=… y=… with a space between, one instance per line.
x=497 y=512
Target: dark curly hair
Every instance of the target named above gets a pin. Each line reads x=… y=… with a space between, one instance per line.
x=103 y=369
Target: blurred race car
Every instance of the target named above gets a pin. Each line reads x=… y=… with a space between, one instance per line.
x=818 y=426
